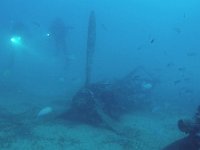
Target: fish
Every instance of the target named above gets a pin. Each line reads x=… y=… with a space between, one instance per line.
x=103 y=26
x=185 y=92
x=177 y=30
x=170 y=64
x=45 y=111
x=181 y=69
x=184 y=15
x=187 y=79
x=152 y=41
x=191 y=54
x=177 y=82
x=147 y=85
x=36 y=24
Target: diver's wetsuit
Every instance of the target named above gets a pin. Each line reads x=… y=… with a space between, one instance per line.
x=192 y=128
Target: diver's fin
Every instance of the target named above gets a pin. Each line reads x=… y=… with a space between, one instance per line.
x=187 y=143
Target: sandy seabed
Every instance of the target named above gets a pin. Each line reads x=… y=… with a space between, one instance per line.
x=20 y=130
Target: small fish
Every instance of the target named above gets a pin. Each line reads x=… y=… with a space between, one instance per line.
x=152 y=41
x=177 y=30
x=36 y=24
x=184 y=15
x=147 y=86
x=188 y=91
x=187 y=79
x=170 y=64
x=185 y=92
x=104 y=27
x=140 y=47
x=191 y=54
x=136 y=77
x=177 y=82
x=45 y=111
x=181 y=69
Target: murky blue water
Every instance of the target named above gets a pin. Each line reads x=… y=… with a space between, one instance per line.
x=43 y=53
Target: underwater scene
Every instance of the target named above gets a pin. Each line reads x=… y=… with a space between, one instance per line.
x=99 y=75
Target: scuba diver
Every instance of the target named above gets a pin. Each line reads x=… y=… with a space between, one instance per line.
x=13 y=35
x=192 y=128
x=58 y=31
x=17 y=33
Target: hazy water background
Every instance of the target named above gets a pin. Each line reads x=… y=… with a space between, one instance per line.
x=161 y=36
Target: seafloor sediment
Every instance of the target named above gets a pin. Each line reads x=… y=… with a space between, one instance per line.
x=20 y=130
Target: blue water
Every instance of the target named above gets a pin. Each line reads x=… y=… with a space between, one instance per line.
x=160 y=36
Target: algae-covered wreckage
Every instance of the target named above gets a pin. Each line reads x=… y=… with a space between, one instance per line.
x=102 y=104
